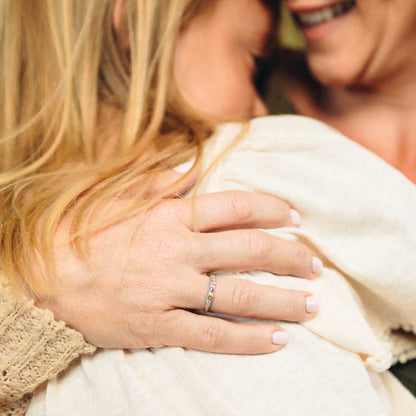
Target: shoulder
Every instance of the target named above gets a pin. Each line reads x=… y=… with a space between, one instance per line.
x=290 y=126
x=291 y=137
x=292 y=132
x=265 y=140
x=275 y=133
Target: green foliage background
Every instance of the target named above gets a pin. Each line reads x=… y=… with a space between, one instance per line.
x=288 y=32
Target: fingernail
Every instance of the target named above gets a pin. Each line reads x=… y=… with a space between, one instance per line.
x=184 y=167
x=317 y=265
x=279 y=337
x=295 y=217
x=312 y=304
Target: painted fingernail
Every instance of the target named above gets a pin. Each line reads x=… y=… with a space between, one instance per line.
x=295 y=217
x=184 y=167
x=279 y=337
x=312 y=304
x=317 y=265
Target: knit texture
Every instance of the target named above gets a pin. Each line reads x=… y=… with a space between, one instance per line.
x=33 y=348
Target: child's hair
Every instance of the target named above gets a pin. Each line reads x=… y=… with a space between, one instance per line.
x=85 y=115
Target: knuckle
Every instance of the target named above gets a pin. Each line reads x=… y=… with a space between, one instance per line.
x=243 y=298
x=212 y=336
x=190 y=249
x=159 y=328
x=239 y=206
x=162 y=211
x=259 y=246
x=150 y=329
x=133 y=333
x=177 y=209
x=169 y=247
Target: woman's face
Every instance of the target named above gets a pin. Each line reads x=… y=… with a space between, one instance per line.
x=356 y=42
x=215 y=61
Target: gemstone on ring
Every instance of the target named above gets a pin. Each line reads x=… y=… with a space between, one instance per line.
x=210 y=293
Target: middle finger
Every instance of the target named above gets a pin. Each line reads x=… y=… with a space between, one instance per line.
x=245 y=250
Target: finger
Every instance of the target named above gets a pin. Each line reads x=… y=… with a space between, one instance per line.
x=244 y=250
x=239 y=297
x=186 y=329
x=236 y=209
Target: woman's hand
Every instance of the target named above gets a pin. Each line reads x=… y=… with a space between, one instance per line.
x=139 y=294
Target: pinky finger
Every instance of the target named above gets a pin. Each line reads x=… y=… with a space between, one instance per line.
x=206 y=333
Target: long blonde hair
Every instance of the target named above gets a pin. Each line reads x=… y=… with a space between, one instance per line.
x=66 y=81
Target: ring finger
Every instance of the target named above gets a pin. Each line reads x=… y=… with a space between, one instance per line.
x=239 y=297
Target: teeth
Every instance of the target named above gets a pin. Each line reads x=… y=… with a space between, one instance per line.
x=308 y=19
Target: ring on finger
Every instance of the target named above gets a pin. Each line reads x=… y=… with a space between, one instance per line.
x=210 y=294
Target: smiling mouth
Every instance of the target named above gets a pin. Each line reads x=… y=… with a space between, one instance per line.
x=318 y=16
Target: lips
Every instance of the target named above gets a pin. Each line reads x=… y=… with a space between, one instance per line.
x=316 y=17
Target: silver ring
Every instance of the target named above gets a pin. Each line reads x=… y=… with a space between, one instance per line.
x=210 y=293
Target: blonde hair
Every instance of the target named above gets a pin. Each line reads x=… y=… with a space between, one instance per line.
x=65 y=82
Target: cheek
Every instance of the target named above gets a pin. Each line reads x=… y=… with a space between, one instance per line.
x=219 y=85
x=337 y=60
x=232 y=93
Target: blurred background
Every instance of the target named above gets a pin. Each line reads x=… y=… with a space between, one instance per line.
x=289 y=34
x=271 y=77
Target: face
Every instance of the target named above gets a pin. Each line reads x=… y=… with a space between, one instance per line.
x=356 y=42
x=215 y=61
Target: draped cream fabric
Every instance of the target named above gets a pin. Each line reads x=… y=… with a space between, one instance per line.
x=359 y=215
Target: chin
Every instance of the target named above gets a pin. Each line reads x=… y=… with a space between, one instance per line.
x=334 y=72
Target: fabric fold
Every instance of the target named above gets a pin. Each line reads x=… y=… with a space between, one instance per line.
x=359 y=216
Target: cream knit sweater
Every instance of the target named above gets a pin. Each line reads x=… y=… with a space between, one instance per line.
x=33 y=348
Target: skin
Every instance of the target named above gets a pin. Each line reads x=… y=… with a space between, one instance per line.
x=365 y=65
x=231 y=35
x=166 y=264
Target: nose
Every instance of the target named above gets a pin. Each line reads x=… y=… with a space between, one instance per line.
x=259 y=108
